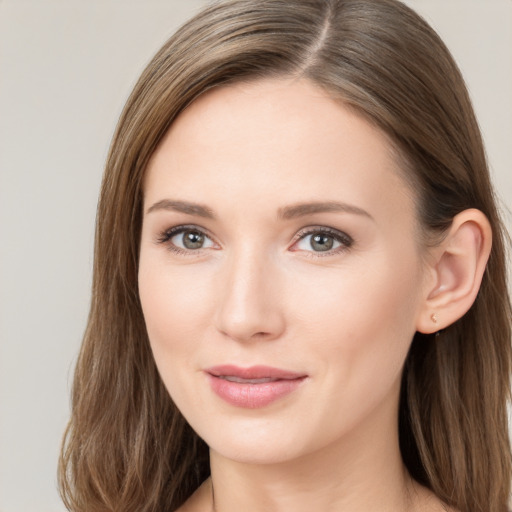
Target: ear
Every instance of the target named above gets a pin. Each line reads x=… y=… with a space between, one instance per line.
x=455 y=271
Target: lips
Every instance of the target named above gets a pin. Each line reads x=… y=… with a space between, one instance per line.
x=254 y=387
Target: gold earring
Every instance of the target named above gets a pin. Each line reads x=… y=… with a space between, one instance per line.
x=433 y=316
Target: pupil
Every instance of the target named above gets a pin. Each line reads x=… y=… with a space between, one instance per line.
x=322 y=242
x=193 y=240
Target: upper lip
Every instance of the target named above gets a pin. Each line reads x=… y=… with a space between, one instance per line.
x=253 y=372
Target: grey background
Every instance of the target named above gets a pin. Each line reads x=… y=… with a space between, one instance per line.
x=66 y=68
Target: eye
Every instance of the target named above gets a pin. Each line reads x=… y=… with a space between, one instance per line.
x=323 y=240
x=186 y=238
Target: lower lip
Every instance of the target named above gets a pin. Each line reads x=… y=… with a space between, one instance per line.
x=253 y=396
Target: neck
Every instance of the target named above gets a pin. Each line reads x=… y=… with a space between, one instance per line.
x=362 y=471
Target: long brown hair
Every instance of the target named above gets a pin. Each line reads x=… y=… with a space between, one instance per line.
x=127 y=447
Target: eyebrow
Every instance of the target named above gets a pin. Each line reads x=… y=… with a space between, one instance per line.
x=285 y=213
x=300 y=210
x=182 y=207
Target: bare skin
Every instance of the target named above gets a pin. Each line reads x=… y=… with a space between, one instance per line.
x=421 y=500
x=250 y=286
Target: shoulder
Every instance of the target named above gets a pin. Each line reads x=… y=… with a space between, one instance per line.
x=200 y=501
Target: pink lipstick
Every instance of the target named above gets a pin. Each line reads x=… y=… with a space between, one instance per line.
x=252 y=387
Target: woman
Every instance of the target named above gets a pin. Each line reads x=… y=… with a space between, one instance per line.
x=299 y=295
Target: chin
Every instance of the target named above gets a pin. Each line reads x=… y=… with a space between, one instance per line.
x=256 y=440
x=260 y=453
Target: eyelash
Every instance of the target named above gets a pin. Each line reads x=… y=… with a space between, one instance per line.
x=342 y=238
x=165 y=238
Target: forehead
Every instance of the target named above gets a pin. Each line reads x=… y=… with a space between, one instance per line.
x=272 y=141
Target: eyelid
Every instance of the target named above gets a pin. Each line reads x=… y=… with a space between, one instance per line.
x=343 y=238
x=165 y=236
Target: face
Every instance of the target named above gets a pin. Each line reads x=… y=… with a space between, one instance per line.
x=280 y=273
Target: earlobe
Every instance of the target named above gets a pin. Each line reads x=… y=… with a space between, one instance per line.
x=458 y=266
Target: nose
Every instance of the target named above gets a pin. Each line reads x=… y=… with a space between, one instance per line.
x=250 y=305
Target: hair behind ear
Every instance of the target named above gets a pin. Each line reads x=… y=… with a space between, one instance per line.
x=455 y=391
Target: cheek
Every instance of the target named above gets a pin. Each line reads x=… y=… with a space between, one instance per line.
x=363 y=322
x=368 y=295
x=172 y=303
x=356 y=331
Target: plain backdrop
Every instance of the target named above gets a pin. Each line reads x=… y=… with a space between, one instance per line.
x=66 y=68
